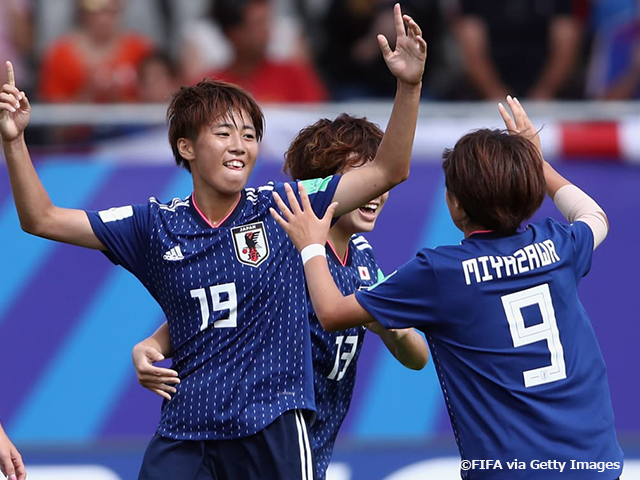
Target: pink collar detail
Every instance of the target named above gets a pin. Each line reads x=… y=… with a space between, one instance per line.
x=343 y=262
x=193 y=199
x=480 y=231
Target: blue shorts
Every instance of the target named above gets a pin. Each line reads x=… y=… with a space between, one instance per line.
x=279 y=452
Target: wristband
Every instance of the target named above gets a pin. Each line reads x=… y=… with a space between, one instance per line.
x=313 y=250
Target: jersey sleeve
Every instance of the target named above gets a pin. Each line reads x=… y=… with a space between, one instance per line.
x=406 y=298
x=320 y=191
x=124 y=231
x=582 y=240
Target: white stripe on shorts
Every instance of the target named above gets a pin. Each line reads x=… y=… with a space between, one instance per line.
x=305 y=451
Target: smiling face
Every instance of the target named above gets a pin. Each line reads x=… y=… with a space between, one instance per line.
x=223 y=155
x=362 y=219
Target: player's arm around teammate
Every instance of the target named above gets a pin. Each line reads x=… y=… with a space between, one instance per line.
x=11 y=462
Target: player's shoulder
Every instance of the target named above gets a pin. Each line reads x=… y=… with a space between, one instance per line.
x=551 y=228
x=261 y=194
x=360 y=242
x=176 y=205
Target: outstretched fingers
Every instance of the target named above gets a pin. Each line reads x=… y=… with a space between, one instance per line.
x=330 y=212
x=304 y=197
x=384 y=46
x=414 y=29
x=399 y=21
x=286 y=213
x=506 y=118
x=294 y=205
x=11 y=76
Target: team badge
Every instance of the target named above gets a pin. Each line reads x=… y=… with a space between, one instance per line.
x=250 y=242
x=364 y=273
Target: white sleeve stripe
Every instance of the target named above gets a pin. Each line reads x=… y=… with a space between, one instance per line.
x=116 y=213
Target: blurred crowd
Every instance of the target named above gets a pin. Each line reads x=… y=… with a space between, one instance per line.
x=320 y=50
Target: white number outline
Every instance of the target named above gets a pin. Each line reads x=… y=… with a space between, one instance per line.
x=346 y=356
x=230 y=304
x=546 y=330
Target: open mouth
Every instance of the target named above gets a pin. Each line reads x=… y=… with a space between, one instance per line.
x=369 y=209
x=234 y=164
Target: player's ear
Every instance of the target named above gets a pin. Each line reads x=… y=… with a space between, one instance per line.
x=451 y=199
x=186 y=149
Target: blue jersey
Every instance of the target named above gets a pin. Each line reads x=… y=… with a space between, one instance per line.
x=236 y=304
x=518 y=361
x=335 y=354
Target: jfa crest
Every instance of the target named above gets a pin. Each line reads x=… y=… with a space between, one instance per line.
x=250 y=242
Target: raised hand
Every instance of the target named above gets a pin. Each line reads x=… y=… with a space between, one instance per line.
x=159 y=380
x=407 y=61
x=520 y=123
x=300 y=221
x=15 y=110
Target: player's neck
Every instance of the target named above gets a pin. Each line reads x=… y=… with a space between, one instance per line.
x=471 y=229
x=339 y=241
x=215 y=210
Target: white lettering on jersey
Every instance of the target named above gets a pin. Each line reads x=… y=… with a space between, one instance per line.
x=116 y=213
x=531 y=257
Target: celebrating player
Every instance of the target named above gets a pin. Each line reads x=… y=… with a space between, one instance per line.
x=517 y=358
x=325 y=148
x=227 y=278
x=11 y=462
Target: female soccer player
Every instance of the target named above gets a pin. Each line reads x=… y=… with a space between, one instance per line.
x=227 y=278
x=519 y=365
x=11 y=462
x=327 y=147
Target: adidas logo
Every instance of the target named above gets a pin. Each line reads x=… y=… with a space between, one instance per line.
x=173 y=255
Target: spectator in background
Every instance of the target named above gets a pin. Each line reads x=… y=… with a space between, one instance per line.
x=349 y=57
x=202 y=47
x=16 y=35
x=158 y=77
x=11 y=462
x=97 y=61
x=247 y=25
x=614 y=72
x=528 y=47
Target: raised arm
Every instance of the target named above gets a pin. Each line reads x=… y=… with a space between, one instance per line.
x=11 y=462
x=572 y=202
x=391 y=163
x=154 y=349
x=38 y=215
